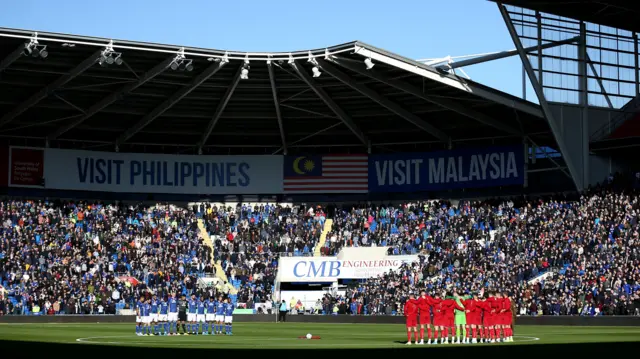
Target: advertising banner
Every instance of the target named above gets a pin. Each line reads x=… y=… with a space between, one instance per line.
x=442 y=170
x=330 y=269
x=157 y=173
x=26 y=167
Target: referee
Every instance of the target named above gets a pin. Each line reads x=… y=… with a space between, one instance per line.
x=182 y=314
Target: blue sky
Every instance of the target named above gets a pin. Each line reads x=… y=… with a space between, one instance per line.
x=411 y=28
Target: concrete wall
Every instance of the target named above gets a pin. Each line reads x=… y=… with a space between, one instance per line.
x=576 y=133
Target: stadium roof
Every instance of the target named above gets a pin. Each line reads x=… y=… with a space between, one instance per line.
x=618 y=14
x=68 y=100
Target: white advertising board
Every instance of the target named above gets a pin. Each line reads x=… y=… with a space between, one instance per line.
x=157 y=173
x=330 y=269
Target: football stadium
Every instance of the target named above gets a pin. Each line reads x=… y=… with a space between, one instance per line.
x=162 y=198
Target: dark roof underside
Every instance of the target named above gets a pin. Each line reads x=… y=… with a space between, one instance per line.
x=249 y=122
x=618 y=14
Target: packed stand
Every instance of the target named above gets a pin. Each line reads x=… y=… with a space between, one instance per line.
x=590 y=246
x=91 y=258
x=248 y=240
x=66 y=257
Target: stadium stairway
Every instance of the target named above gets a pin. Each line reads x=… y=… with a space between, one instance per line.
x=328 y=224
x=206 y=239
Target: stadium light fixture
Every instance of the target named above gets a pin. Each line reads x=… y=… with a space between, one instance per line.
x=109 y=56
x=44 y=53
x=225 y=59
x=189 y=65
x=369 y=63
x=180 y=62
x=244 y=74
x=316 y=67
x=34 y=49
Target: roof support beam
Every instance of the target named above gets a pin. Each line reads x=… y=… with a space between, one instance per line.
x=220 y=109
x=274 y=92
x=111 y=98
x=384 y=102
x=597 y=76
x=556 y=127
x=12 y=57
x=49 y=89
x=445 y=103
x=504 y=54
x=450 y=80
x=330 y=103
x=168 y=103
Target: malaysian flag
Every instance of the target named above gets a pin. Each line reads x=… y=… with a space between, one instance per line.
x=326 y=174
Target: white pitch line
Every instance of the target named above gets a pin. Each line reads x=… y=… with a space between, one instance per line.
x=91 y=340
x=529 y=339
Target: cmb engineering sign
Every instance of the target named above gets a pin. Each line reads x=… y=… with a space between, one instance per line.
x=329 y=269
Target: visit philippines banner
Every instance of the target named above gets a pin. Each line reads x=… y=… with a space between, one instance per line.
x=157 y=173
x=442 y=170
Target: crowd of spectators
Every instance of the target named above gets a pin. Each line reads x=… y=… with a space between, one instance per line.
x=93 y=258
x=90 y=258
x=555 y=256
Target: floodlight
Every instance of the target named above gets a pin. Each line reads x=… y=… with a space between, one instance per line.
x=369 y=63
x=316 y=71
x=244 y=74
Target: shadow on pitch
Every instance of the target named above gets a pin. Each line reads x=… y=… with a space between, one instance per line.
x=586 y=350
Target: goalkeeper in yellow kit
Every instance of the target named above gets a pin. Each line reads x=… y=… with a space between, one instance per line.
x=460 y=321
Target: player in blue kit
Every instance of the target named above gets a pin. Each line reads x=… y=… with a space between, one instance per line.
x=228 y=316
x=146 y=318
x=154 y=314
x=211 y=315
x=139 y=305
x=172 y=318
x=191 y=315
x=163 y=317
x=219 y=315
x=200 y=317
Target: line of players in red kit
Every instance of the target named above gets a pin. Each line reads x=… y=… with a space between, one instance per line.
x=469 y=320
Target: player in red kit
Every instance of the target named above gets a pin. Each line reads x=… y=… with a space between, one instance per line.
x=438 y=320
x=473 y=313
x=507 y=320
x=447 y=308
x=485 y=312
x=501 y=334
x=495 y=305
x=425 y=303
x=411 y=315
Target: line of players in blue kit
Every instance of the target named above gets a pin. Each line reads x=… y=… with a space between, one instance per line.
x=165 y=317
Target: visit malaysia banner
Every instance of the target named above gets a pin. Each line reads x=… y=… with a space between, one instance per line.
x=441 y=170
x=157 y=173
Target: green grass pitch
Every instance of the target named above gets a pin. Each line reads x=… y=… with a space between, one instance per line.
x=285 y=336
